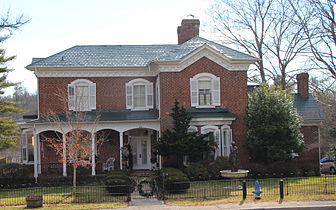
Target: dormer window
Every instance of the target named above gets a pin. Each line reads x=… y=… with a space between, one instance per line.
x=82 y=95
x=139 y=94
x=205 y=91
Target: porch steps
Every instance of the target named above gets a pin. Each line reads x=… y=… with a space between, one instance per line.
x=137 y=199
x=142 y=173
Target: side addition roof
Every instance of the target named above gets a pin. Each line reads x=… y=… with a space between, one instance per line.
x=308 y=108
x=131 y=55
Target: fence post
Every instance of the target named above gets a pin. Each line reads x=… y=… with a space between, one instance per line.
x=281 y=190
x=244 y=190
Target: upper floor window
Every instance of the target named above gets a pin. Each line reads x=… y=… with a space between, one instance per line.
x=139 y=94
x=205 y=90
x=82 y=95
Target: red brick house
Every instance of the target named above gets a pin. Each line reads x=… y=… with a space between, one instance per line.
x=133 y=88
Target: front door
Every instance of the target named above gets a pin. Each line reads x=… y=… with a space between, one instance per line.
x=141 y=149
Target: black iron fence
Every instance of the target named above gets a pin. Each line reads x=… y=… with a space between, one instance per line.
x=212 y=189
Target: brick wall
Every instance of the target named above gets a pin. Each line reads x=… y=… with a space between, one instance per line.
x=309 y=158
x=175 y=85
x=110 y=92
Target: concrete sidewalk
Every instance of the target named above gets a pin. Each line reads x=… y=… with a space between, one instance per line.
x=154 y=204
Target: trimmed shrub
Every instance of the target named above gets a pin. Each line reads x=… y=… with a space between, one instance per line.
x=197 y=172
x=80 y=171
x=282 y=169
x=174 y=180
x=257 y=170
x=221 y=163
x=13 y=170
x=119 y=183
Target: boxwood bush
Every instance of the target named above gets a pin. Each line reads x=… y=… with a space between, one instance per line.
x=197 y=171
x=118 y=182
x=173 y=180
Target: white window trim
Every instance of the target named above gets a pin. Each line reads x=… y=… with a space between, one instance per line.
x=148 y=92
x=216 y=131
x=228 y=136
x=194 y=89
x=91 y=98
x=24 y=137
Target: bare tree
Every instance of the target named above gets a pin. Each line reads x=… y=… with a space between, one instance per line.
x=287 y=42
x=74 y=146
x=320 y=30
x=325 y=93
x=246 y=25
x=266 y=29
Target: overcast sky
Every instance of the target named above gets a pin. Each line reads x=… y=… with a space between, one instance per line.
x=58 y=25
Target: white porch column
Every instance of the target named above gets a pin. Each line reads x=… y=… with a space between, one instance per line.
x=35 y=157
x=39 y=154
x=93 y=154
x=64 y=156
x=121 y=145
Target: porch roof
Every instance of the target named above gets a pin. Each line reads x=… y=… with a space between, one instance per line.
x=104 y=116
x=210 y=113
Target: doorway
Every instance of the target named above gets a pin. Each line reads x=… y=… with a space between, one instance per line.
x=141 y=150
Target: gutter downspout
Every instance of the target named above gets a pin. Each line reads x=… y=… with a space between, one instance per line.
x=38 y=95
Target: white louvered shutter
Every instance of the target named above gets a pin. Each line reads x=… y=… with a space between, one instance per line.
x=216 y=92
x=226 y=145
x=149 y=92
x=92 y=96
x=194 y=92
x=230 y=139
x=71 y=97
x=129 y=96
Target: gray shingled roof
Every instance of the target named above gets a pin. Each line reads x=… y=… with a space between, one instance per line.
x=308 y=108
x=130 y=55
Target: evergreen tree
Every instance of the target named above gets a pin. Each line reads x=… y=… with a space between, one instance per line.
x=8 y=128
x=180 y=142
x=274 y=125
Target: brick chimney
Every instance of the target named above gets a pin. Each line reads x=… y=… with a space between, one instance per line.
x=189 y=29
x=302 y=84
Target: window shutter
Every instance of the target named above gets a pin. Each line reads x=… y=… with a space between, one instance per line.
x=129 y=96
x=216 y=92
x=71 y=97
x=226 y=143
x=157 y=95
x=230 y=139
x=149 y=92
x=193 y=92
x=92 y=96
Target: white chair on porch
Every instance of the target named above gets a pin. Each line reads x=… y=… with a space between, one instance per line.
x=109 y=164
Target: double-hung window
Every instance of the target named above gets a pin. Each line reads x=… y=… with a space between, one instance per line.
x=27 y=147
x=205 y=91
x=82 y=95
x=139 y=94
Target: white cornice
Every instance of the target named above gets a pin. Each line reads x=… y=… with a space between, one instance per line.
x=95 y=73
x=204 y=51
x=212 y=121
x=312 y=123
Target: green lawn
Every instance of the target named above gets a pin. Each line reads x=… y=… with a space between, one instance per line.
x=314 y=188
x=270 y=187
x=85 y=194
